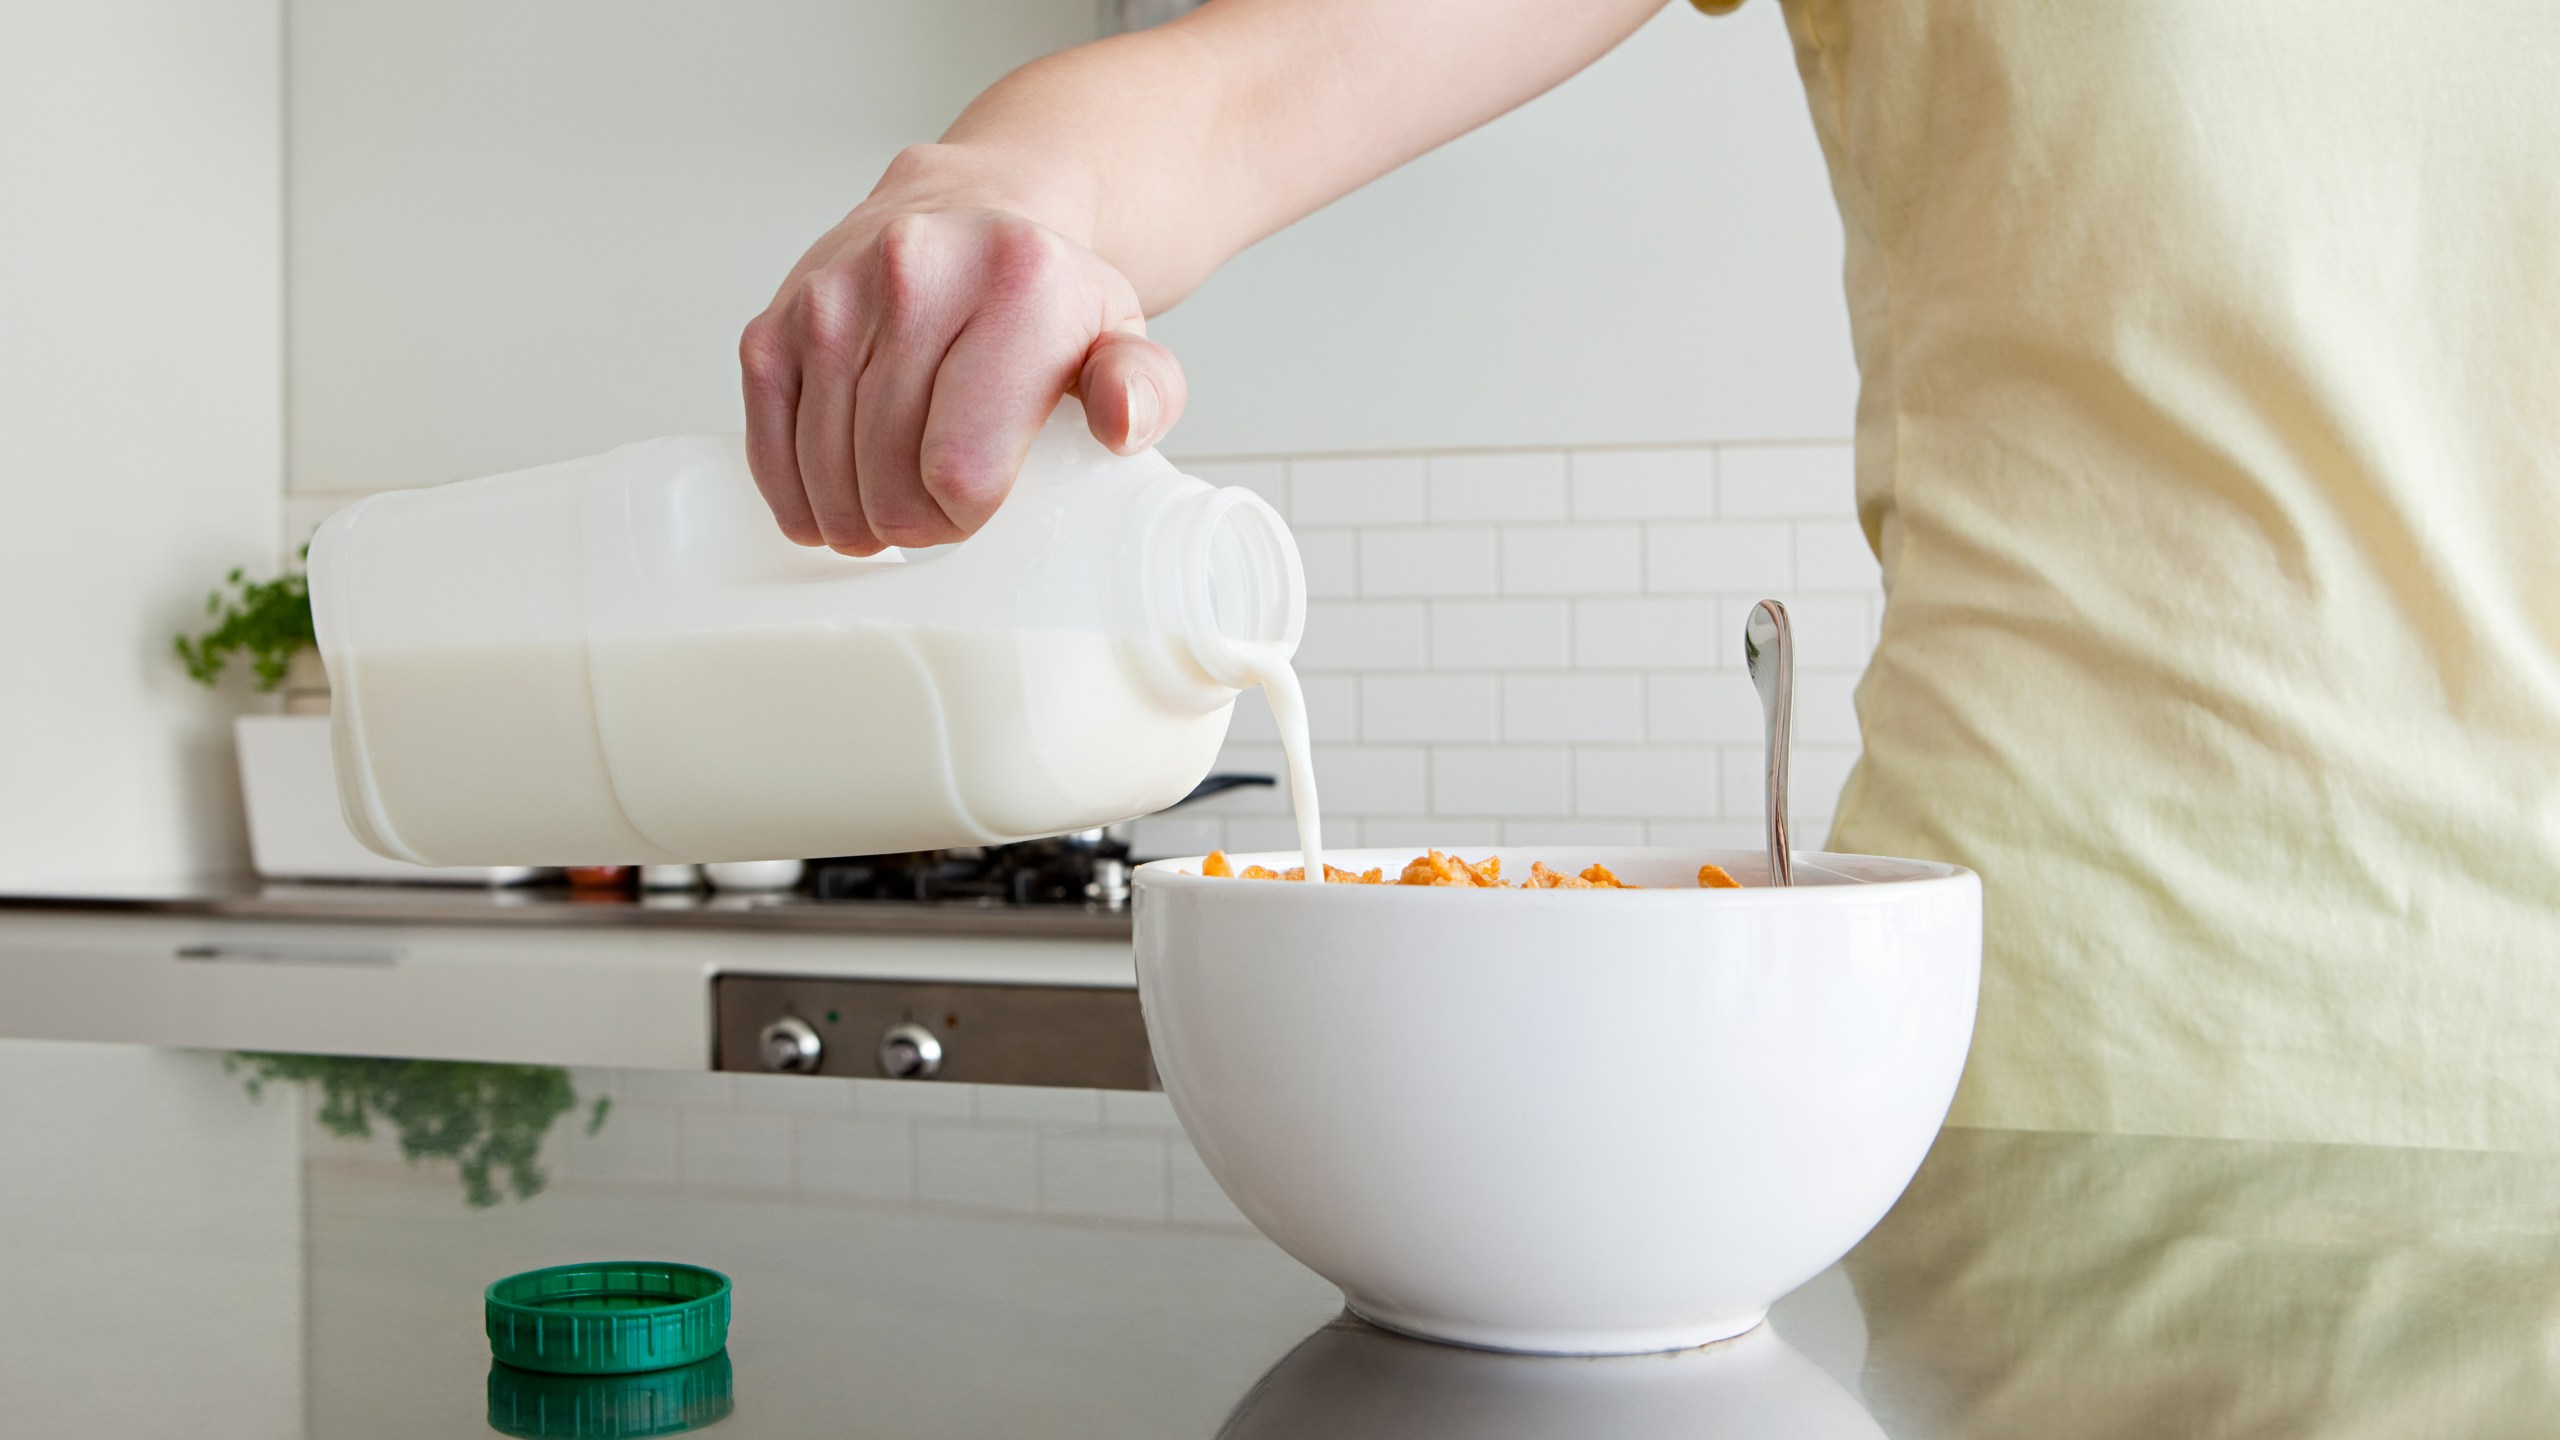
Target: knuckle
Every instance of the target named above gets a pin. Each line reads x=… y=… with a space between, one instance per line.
x=760 y=349
x=826 y=311
x=905 y=252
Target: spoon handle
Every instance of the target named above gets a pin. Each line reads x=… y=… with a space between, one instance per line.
x=1778 y=694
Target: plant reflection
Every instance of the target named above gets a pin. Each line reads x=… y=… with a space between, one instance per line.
x=491 y=1119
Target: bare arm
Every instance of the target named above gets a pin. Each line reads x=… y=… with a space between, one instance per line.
x=898 y=376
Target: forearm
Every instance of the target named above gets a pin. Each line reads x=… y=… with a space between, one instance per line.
x=1168 y=151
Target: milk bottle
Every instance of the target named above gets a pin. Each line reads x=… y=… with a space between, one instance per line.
x=621 y=660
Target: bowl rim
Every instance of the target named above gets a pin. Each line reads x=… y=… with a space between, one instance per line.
x=1180 y=874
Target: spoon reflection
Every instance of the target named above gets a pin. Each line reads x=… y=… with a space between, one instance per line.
x=1353 y=1381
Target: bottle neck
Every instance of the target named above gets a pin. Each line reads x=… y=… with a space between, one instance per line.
x=1227 y=580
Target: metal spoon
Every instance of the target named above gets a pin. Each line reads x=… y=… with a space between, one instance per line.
x=1770 y=654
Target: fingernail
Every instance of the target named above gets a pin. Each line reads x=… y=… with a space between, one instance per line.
x=1146 y=407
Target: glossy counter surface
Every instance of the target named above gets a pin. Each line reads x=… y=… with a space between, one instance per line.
x=187 y=1257
x=532 y=905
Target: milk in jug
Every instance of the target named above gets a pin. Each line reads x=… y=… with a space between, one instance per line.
x=621 y=660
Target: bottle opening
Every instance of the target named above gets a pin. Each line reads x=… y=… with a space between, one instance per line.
x=1243 y=583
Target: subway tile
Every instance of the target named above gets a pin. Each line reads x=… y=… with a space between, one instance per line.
x=866 y=1158
x=1624 y=634
x=732 y=1149
x=1356 y=490
x=1826 y=708
x=1266 y=478
x=1507 y=634
x=1833 y=555
x=1158 y=837
x=1831 y=632
x=1138 y=1110
x=1815 y=481
x=1333 y=712
x=1572 y=559
x=1707 y=834
x=1408 y=833
x=991 y=1167
x=1103 y=1175
x=1368 y=779
x=1506 y=485
x=1428 y=706
x=1815 y=777
x=1039 y=1104
x=1645 y=782
x=1331 y=559
x=1434 y=561
x=1194 y=1196
x=1714 y=706
x=1280 y=835
x=1572 y=832
x=1501 y=782
x=1572 y=707
x=1719 y=557
x=1364 y=635
x=812 y=1094
x=919 y=1099
x=1644 y=484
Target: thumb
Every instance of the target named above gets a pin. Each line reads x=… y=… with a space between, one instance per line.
x=1133 y=391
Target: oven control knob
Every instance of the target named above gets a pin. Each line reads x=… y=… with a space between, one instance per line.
x=910 y=1052
x=790 y=1045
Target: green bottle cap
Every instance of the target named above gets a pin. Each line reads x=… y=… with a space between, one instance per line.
x=610 y=1318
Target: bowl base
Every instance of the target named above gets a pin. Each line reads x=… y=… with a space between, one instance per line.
x=1530 y=1340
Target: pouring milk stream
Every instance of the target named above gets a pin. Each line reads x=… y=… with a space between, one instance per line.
x=621 y=660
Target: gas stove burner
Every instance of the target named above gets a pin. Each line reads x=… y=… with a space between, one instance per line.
x=1089 y=867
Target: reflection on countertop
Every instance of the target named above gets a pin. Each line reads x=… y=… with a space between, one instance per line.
x=551 y=905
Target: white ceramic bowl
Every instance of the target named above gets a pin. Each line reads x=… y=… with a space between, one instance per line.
x=1569 y=1122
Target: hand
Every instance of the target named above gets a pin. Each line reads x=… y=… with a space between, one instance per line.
x=897 y=379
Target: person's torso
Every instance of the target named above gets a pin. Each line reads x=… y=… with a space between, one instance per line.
x=2210 y=437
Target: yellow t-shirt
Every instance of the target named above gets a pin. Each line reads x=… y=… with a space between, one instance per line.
x=2210 y=439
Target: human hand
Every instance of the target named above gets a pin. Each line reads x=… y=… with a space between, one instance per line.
x=897 y=379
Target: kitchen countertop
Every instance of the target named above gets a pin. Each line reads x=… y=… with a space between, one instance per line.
x=788 y=912
x=187 y=1257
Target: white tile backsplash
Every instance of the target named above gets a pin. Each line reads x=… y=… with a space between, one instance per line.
x=1505 y=634
x=1449 y=560
x=1541 y=645
x=1428 y=706
x=1572 y=707
x=1814 y=481
x=1357 y=490
x=1572 y=559
x=1503 y=485
x=1644 y=484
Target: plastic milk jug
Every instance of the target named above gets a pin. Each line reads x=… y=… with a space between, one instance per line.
x=621 y=660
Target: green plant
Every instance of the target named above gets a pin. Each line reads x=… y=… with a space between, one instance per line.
x=268 y=621
x=490 y=1118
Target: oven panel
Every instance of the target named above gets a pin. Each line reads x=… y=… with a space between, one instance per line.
x=977 y=1034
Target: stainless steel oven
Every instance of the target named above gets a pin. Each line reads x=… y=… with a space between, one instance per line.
x=995 y=1034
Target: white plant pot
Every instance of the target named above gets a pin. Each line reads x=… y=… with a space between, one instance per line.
x=296 y=832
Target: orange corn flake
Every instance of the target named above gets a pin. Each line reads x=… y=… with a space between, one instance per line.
x=1438 y=868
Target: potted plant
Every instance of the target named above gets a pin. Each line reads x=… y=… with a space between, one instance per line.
x=288 y=776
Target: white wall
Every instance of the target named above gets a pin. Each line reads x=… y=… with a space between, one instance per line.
x=1647 y=254
x=140 y=403
x=526 y=232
